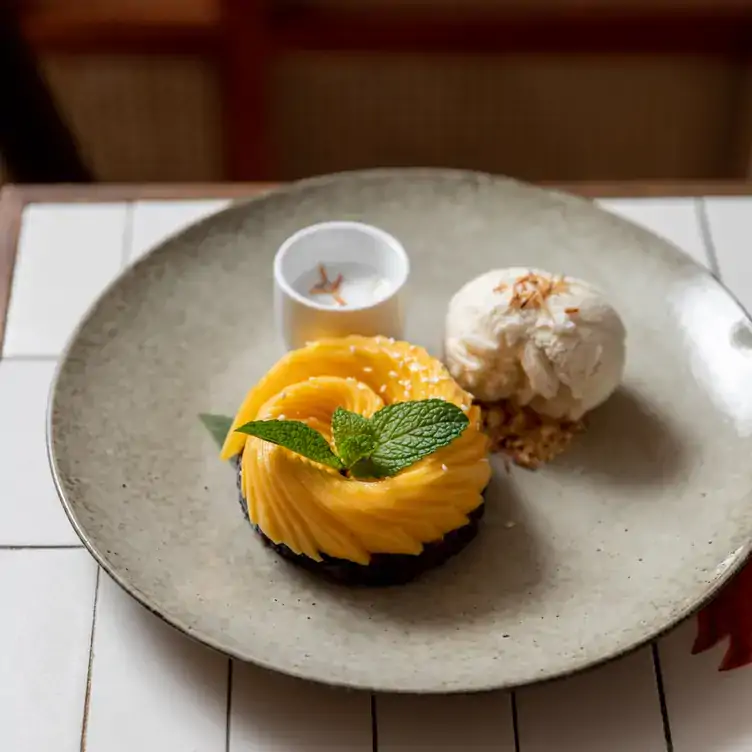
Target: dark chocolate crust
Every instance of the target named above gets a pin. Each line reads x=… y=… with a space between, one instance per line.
x=384 y=569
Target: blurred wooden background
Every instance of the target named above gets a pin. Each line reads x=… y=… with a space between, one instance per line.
x=202 y=90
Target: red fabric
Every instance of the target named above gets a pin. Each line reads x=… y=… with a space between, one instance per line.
x=729 y=615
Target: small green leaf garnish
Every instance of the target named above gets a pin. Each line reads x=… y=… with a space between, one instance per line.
x=295 y=436
x=365 y=468
x=217 y=425
x=407 y=432
x=396 y=437
x=354 y=437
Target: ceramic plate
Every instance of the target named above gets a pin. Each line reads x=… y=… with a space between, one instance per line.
x=576 y=563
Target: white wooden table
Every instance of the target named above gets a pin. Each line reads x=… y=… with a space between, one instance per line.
x=82 y=666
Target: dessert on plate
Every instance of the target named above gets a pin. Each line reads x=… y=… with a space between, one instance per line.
x=361 y=458
x=537 y=351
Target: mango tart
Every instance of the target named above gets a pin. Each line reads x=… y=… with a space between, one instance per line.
x=315 y=511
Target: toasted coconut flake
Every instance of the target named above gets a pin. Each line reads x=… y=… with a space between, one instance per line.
x=326 y=287
x=533 y=290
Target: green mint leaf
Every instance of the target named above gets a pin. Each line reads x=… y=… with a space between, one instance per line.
x=217 y=425
x=365 y=468
x=295 y=436
x=409 y=431
x=354 y=436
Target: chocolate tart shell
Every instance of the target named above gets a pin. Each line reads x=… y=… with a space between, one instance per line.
x=383 y=569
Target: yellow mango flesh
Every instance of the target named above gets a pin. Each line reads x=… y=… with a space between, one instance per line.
x=313 y=509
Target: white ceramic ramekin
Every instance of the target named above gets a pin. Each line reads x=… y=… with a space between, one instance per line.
x=339 y=256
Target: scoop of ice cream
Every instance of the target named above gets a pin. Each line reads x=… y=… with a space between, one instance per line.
x=552 y=342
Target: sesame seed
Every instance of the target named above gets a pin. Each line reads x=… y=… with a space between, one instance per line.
x=393 y=374
x=464 y=408
x=280 y=417
x=367 y=369
x=352 y=348
x=444 y=468
x=362 y=386
x=283 y=395
x=382 y=389
x=509 y=525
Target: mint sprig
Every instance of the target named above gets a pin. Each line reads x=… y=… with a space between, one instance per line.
x=354 y=437
x=296 y=436
x=409 y=431
x=396 y=437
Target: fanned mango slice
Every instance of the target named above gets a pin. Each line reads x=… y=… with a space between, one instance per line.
x=315 y=510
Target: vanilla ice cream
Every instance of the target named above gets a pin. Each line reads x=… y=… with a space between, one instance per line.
x=551 y=342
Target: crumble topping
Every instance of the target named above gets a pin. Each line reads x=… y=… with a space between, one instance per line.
x=528 y=438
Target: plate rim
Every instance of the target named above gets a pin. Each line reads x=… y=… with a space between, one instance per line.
x=741 y=557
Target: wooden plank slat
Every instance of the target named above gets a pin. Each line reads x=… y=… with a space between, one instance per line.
x=730 y=227
x=271 y=712
x=66 y=256
x=708 y=710
x=544 y=28
x=114 y=192
x=615 y=708
x=153 y=221
x=47 y=599
x=246 y=64
x=30 y=511
x=151 y=687
x=674 y=219
x=72 y=28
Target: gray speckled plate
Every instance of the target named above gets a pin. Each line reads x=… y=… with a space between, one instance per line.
x=627 y=534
